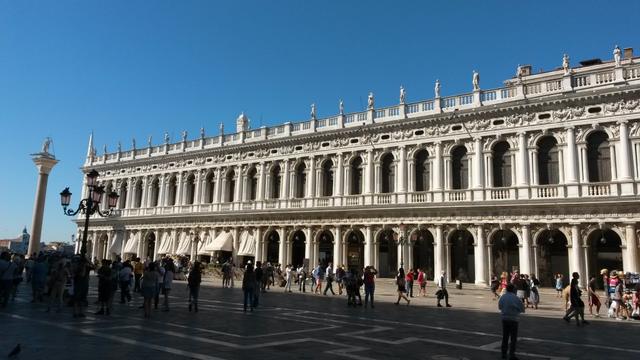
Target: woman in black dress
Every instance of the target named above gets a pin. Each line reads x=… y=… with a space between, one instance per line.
x=400 y=281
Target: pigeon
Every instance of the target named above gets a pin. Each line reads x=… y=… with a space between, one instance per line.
x=14 y=353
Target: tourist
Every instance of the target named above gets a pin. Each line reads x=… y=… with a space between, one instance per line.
x=495 y=285
x=340 y=273
x=7 y=269
x=302 y=279
x=442 y=292
x=167 y=281
x=359 y=283
x=330 y=277
x=269 y=279
x=520 y=286
x=248 y=284
x=193 y=282
x=28 y=265
x=559 y=285
x=510 y=308
x=125 y=275
x=226 y=274
x=149 y=287
x=160 y=284
x=17 y=275
x=288 y=276
x=104 y=287
x=402 y=287
x=256 y=290
x=138 y=270
x=577 y=305
x=80 y=269
x=605 y=283
x=504 y=280
x=594 y=300
x=319 y=276
x=534 y=297
x=38 y=278
x=351 y=284
x=409 y=282
x=422 y=283
x=369 y=284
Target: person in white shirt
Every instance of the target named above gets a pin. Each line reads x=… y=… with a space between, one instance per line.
x=330 y=277
x=289 y=275
x=442 y=290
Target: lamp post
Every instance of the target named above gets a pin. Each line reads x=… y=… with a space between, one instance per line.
x=195 y=239
x=88 y=206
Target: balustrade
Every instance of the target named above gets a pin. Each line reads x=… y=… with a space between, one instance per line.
x=546 y=191
x=457 y=195
x=599 y=189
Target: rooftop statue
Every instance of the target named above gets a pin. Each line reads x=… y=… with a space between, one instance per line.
x=119 y=147
x=313 y=111
x=402 y=94
x=184 y=135
x=166 y=137
x=565 y=64
x=436 y=89
x=476 y=80
x=617 y=55
x=133 y=143
x=370 y=101
x=45 y=145
x=221 y=127
x=341 y=107
x=202 y=132
x=519 y=72
x=149 y=141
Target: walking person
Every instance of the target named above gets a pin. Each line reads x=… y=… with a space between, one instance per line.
x=559 y=285
x=7 y=270
x=193 y=282
x=248 y=284
x=167 y=281
x=81 y=269
x=256 y=290
x=402 y=287
x=495 y=285
x=577 y=305
x=369 y=279
x=319 y=278
x=442 y=292
x=160 y=284
x=594 y=300
x=125 y=275
x=340 y=273
x=302 y=279
x=288 y=275
x=330 y=278
x=104 y=287
x=17 y=275
x=422 y=283
x=534 y=298
x=149 y=287
x=138 y=270
x=510 y=308
x=409 y=282
x=38 y=279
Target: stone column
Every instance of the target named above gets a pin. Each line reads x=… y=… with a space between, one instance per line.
x=236 y=244
x=339 y=176
x=284 y=191
x=217 y=189
x=308 y=247
x=257 y=235
x=368 y=172
x=261 y=183
x=478 y=178
x=437 y=175
x=522 y=167
x=402 y=175
x=311 y=178
x=480 y=257
x=368 y=247
x=411 y=176
x=525 y=250
x=632 y=248
x=570 y=163
x=282 y=246
x=239 y=176
x=439 y=256
x=625 y=160
x=576 y=254
x=45 y=163
x=337 y=246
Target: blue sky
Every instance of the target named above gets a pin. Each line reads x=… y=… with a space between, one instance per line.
x=126 y=69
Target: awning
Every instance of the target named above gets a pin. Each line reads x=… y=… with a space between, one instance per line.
x=247 y=244
x=165 y=244
x=184 y=246
x=222 y=242
x=131 y=246
x=116 y=244
x=207 y=238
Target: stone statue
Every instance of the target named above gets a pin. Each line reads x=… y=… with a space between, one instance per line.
x=166 y=137
x=519 y=72
x=476 y=80
x=45 y=145
x=370 y=101
x=402 y=94
x=565 y=63
x=341 y=107
x=184 y=135
x=119 y=147
x=133 y=143
x=313 y=111
x=202 y=133
x=104 y=149
x=149 y=141
x=221 y=128
x=617 y=55
x=436 y=89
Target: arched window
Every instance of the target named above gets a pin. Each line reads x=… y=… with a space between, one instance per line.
x=108 y=190
x=327 y=178
x=191 y=190
x=252 y=183
x=356 y=176
x=301 y=180
x=548 y=166
x=209 y=190
x=155 y=192
x=388 y=174
x=138 y=194
x=173 y=191
x=123 y=195
x=423 y=172
x=459 y=168
x=598 y=157
x=231 y=186
x=501 y=165
x=276 y=182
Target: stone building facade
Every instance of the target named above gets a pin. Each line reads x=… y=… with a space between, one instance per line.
x=542 y=175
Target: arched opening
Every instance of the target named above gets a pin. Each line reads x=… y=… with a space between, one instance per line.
x=423 y=255
x=598 y=157
x=325 y=247
x=501 y=165
x=123 y=195
x=548 y=165
x=355 y=250
x=276 y=182
x=301 y=180
x=252 y=183
x=459 y=168
x=190 y=190
x=273 y=246
x=173 y=191
x=231 y=186
x=155 y=192
x=356 y=176
x=297 y=248
x=388 y=174
x=150 y=246
x=209 y=188
x=138 y=194
x=504 y=252
x=108 y=190
x=387 y=253
x=552 y=257
x=104 y=247
x=423 y=171
x=462 y=256
x=605 y=251
x=327 y=178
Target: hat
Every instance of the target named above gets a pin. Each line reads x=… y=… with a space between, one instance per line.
x=614 y=273
x=604 y=272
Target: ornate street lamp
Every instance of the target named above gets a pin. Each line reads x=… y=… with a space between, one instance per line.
x=89 y=206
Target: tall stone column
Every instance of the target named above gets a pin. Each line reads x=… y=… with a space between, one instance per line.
x=368 y=247
x=402 y=174
x=625 y=160
x=439 y=260
x=478 y=176
x=282 y=246
x=632 y=248
x=525 y=250
x=576 y=254
x=339 y=176
x=570 y=163
x=45 y=163
x=337 y=246
x=257 y=236
x=437 y=174
x=480 y=256
x=308 y=247
x=522 y=165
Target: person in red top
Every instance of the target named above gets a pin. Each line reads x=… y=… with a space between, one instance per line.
x=409 y=282
x=369 y=279
x=422 y=282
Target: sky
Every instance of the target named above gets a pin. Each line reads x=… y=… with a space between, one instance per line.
x=134 y=69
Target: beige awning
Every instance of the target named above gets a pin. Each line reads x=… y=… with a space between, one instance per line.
x=184 y=246
x=116 y=244
x=247 y=244
x=207 y=238
x=131 y=246
x=165 y=244
x=222 y=242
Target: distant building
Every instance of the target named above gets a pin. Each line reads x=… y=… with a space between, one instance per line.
x=58 y=246
x=18 y=245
